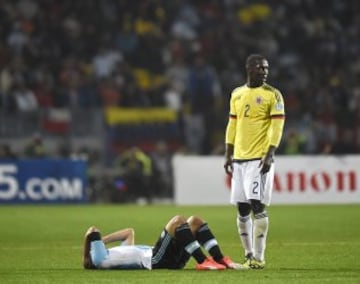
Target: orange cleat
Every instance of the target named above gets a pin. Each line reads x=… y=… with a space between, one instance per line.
x=210 y=264
x=228 y=263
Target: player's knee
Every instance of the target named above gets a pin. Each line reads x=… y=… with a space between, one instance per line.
x=195 y=223
x=256 y=206
x=175 y=222
x=244 y=209
x=178 y=220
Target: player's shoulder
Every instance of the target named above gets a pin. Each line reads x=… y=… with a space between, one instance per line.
x=238 y=90
x=270 y=88
x=273 y=90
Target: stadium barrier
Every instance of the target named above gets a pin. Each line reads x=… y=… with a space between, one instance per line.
x=43 y=181
x=298 y=180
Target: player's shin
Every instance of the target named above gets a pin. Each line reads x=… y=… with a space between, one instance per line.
x=208 y=241
x=245 y=229
x=186 y=239
x=261 y=226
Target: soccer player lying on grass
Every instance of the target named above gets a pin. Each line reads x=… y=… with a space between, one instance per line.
x=180 y=240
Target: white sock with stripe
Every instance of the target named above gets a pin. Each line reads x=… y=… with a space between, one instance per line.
x=261 y=226
x=245 y=229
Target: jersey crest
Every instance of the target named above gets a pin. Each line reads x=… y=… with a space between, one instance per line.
x=279 y=106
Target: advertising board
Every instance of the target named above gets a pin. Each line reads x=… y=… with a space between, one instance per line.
x=298 y=180
x=43 y=181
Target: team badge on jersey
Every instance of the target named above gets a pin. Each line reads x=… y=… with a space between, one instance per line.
x=279 y=106
x=259 y=100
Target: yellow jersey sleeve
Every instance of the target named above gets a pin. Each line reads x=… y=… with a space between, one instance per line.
x=277 y=114
x=231 y=126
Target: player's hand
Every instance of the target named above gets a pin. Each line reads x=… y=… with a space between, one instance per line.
x=265 y=164
x=228 y=166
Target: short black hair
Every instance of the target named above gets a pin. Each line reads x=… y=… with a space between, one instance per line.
x=94 y=236
x=253 y=58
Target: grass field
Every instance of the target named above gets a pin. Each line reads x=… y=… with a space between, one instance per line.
x=306 y=244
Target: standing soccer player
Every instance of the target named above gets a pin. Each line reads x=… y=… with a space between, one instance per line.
x=253 y=133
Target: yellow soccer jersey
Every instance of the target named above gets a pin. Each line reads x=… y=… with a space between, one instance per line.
x=256 y=121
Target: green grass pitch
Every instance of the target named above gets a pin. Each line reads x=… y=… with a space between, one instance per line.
x=306 y=244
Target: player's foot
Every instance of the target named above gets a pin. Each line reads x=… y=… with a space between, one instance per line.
x=257 y=264
x=230 y=264
x=247 y=260
x=252 y=263
x=209 y=264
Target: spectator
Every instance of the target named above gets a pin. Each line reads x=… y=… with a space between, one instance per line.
x=35 y=149
x=17 y=40
x=163 y=174
x=104 y=61
x=109 y=93
x=135 y=168
x=294 y=143
x=6 y=152
x=25 y=99
x=344 y=144
x=203 y=90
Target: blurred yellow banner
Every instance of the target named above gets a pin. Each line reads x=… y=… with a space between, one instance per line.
x=118 y=115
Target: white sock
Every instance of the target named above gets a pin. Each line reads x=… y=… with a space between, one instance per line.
x=261 y=226
x=245 y=229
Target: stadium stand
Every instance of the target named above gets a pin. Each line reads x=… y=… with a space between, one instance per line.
x=63 y=64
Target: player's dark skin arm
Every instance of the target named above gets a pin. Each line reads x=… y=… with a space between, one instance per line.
x=229 y=150
x=265 y=163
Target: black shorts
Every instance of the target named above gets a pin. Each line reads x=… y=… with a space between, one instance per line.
x=168 y=254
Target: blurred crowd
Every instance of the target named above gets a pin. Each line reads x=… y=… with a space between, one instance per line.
x=136 y=175
x=188 y=56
